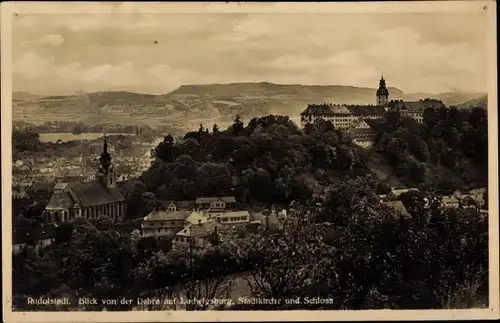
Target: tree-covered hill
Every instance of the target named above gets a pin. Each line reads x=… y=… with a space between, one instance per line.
x=271 y=160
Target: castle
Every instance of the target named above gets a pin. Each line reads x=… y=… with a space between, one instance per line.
x=345 y=116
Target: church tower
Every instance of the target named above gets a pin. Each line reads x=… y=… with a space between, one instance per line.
x=106 y=173
x=382 y=93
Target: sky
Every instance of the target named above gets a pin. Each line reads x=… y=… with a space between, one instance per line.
x=156 y=53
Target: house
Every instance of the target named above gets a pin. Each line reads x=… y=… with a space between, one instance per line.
x=399 y=207
x=395 y=193
x=450 y=201
x=21 y=239
x=477 y=195
x=468 y=202
x=89 y=199
x=27 y=238
x=172 y=206
x=196 y=236
x=215 y=203
x=363 y=132
x=236 y=217
x=163 y=223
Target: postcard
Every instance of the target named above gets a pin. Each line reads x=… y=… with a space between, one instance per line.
x=249 y=161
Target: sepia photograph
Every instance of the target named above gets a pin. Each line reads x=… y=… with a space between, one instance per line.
x=239 y=161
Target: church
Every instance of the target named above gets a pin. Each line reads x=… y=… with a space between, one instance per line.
x=345 y=116
x=88 y=199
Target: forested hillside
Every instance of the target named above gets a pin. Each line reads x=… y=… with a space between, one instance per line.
x=271 y=160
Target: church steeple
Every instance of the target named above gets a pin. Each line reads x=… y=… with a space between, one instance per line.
x=106 y=174
x=382 y=93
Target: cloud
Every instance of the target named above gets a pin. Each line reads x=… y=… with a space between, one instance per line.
x=31 y=70
x=52 y=40
x=31 y=65
x=415 y=52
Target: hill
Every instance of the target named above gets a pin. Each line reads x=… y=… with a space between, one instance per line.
x=190 y=105
x=24 y=96
x=100 y=107
x=449 y=98
x=481 y=102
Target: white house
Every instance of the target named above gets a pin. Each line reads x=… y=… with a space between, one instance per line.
x=159 y=223
x=196 y=236
x=450 y=201
x=235 y=217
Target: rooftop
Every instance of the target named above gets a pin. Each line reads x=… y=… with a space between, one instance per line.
x=85 y=194
x=226 y=199
x=196 y=217
x=166 y=216
x=197 y=230
x=398 y=206
x=416 y=106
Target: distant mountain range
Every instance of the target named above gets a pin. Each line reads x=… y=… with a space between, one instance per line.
x=482 y=102
x=219 y=102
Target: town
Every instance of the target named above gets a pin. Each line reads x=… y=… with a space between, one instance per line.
x=189 y=224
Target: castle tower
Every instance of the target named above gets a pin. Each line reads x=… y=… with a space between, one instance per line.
x=382 y=93
x=106 y=173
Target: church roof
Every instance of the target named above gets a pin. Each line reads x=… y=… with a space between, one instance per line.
x=95 y=193
x=61 y=200
x=125 y=186
x=86 y=194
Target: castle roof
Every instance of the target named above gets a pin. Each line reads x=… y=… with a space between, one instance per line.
x=318 y=109
x=332 y=110
x=366 y=110
x=417 y=106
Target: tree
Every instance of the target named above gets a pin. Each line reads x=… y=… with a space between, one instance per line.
x=215 y=129
x=285 y=263
x=485 y=199
x=237 y=126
